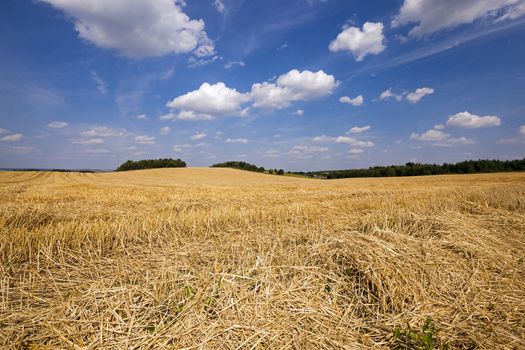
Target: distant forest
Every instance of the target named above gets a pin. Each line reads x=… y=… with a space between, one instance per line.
x=415 y=169
x=151 y=164
x=239 y=165
x=247 y=166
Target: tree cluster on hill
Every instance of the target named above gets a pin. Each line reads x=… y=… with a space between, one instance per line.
x=415 y=169
x=152 y=164
x=239 y=165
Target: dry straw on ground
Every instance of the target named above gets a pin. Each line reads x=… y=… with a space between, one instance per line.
x=225 y=259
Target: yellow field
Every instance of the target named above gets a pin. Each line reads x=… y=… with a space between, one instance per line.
x=226 y=259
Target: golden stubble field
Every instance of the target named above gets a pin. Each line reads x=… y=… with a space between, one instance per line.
x=225 y=259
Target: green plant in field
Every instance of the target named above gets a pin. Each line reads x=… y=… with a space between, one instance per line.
x=425 y=339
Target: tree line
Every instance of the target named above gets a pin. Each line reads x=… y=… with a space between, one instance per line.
x=247 y=166
x=151 y=164
x=416 y=169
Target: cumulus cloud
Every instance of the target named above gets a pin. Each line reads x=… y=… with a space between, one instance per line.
x=181 y=148
x=58 y=125
x=388 y=94
x=430 y=135
x=104 y=131
x=137 y=28
x=440 y=138
x=361 y=42
x=358 y=130
x=416 y=96
x=522 y=129
x=353 y=142
x=299 y=112
x=208 y=101
x=271 y=153
x=460 y=141
x=94 y=141
x=12 y=137
x=344 y=139
x=238 y=140
x=293 y=86
x=212 y=100
x=472 y=121
x=144 y=140
x=356 y=101
x=432 y=16
x=355 y=151
x=412 y=97
x=306 y=151
x=199 y=136
x=165 y=130
x=439 y=127
x=3 y=131
x=142 y=117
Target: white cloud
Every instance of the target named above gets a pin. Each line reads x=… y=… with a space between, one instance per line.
x=461 y=141
x=361 y=43
x=101 y=84
x=219 y=5
x=239 y=140
x=104 y=131
x=432 y=16
x=353 y=142
x=439 y=127
x=142 y=117
x=165 y=130
x=512 y=12
x=208 y=101
x=388 y=94
x=472 y=121
x=412 y=97
x=430 y=135
x=416 y=96
x=306 y=151
x=137 y=28
x=522 y=129
x=97 y=151
x=181 y=148
x=355 y=151
x=144 y=140
x=199 y=136
x=12 y=137
x=58 y=125
x=358 y=130
x=186 y=116
x=344 y=139
x=199 y=62
x=95 y=141
x=234 y=63
x=3 y=131
x=292 y=86
x=212 y=100
x=22 y=149
x=299 y=112
x=271 y=153
x=356 y=101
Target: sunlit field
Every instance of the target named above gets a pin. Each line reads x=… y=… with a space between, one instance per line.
x=226 y=259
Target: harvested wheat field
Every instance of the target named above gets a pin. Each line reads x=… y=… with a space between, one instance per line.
x=225 y=259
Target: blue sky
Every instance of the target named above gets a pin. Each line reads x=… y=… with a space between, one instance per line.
x=297 y=84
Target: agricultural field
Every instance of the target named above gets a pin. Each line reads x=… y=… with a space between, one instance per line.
x=216 y=258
